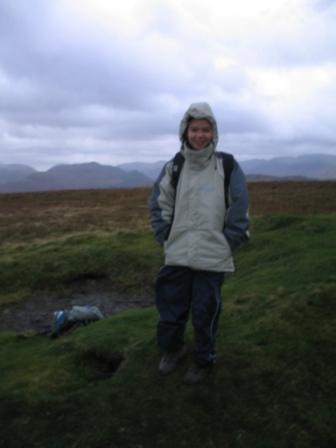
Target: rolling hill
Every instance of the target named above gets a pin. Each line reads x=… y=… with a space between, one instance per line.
x=76 y=177
x=22 y=178
x=309 y=166
x=14 y=172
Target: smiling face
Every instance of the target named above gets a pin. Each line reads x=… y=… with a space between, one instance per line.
x=199 y=134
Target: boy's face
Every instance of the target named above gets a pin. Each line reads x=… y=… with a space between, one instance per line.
x=199 y=134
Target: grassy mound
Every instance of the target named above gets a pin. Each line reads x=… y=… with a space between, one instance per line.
x=127 y=262
x=286 y=252
x=98 y=386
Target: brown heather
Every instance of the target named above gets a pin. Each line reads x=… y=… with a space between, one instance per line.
x=30 y=216
x=315 y=197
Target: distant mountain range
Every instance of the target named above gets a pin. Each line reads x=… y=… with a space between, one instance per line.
x=314 y=166
x=311 y=166
x=72 y=177
x=14 y=173
x=22 y=178
x=151 y=170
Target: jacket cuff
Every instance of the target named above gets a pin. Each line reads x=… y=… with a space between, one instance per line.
x=233 y=242
x=162 y=235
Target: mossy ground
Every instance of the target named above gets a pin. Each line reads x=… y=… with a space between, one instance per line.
x=272 y=387
x=274 y=383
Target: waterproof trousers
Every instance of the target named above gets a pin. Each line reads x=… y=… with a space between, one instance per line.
x=180 y=290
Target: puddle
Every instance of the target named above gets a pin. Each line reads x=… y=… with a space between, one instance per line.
x=35 y=313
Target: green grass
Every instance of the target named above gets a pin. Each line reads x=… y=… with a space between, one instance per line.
x=283 y=253
x=273 y=386
x=287 y=253
x=127 y=261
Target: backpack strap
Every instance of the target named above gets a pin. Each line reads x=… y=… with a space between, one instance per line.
x=178 y=162
x=228 y=162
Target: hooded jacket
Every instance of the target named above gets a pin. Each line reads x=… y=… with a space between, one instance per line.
x=192 y=223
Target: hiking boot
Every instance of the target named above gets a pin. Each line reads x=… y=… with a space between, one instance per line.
x=196 y=374
x=170 y=360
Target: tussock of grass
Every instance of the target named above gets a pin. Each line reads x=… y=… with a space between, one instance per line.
x=284 y=252
x=271 y=386
x=127 y=261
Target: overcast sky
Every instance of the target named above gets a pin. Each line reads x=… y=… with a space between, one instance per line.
x=108 y=81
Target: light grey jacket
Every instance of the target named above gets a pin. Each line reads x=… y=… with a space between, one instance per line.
x=192 y=223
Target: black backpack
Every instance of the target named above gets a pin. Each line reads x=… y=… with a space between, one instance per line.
x=227 y=160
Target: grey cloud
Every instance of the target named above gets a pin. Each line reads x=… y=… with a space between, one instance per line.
x=62 y=77
x=65 y=71
x=309 y=39
x=238 y=119
x=323 y=5
x=69 y=91
x=80 y=68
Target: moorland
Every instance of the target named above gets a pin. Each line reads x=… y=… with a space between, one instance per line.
x=97 y=386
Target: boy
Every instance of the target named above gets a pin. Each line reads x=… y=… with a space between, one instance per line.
x=199 y=233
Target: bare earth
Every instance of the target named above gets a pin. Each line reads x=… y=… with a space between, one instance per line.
x=35 y=313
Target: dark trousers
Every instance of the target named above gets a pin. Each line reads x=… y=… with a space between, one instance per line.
x=179 y=290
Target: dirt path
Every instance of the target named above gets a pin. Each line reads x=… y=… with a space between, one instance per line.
x=36 y=312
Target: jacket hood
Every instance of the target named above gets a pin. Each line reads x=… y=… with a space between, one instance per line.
x=199 y=111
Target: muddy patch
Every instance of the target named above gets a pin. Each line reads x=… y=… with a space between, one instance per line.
x=36 y=312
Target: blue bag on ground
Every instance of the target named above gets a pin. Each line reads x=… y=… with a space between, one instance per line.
x=78 y=315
